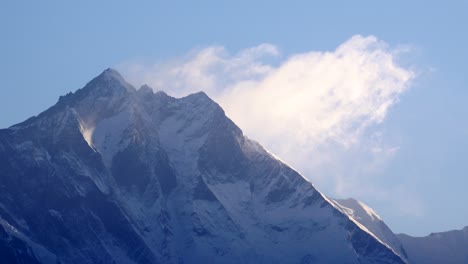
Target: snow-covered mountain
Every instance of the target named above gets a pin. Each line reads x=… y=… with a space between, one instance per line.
x=372 y=222
x=111 y=174
x=445 y=247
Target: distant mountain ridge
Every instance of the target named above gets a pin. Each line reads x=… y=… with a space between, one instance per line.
x=112 y=174
x=449 y=247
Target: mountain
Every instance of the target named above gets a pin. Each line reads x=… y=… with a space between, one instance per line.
x=372 y=222
x=446 y=247
x=112 y=174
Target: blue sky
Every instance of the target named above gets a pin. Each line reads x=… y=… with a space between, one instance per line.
x=49 y=48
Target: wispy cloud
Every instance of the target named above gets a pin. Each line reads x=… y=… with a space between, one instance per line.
x=212 y=70
x=312 y=109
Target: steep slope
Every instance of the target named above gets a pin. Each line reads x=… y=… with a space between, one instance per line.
x=112 y=174
x=446 y=247
x=370 y=220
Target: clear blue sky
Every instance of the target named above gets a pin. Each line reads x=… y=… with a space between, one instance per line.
x=49 y=48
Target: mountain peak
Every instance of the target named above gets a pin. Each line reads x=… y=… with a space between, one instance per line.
x=199 y=98
x=111 y=78
x=359 y=209
x=110 y=75
x=108 y=84
x=111 y=71
x=145 y=89
x=199 y=94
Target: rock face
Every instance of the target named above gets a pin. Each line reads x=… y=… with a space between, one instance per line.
x=111 y=174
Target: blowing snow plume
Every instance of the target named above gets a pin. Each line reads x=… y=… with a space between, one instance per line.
x=305 y=107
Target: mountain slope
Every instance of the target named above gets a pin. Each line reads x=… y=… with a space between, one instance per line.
x=449 y=247
x=114 y=174
x=369 y=219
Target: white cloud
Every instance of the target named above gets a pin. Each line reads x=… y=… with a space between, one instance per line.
x=211 y=69
x=311 y=109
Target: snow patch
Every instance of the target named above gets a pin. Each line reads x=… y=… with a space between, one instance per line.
x=87 y=133
x=107 y=135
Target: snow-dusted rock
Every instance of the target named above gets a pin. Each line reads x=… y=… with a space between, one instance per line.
x=370 y=221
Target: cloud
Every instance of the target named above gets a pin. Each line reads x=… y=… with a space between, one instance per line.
x=211 y=69
x=315 y=110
